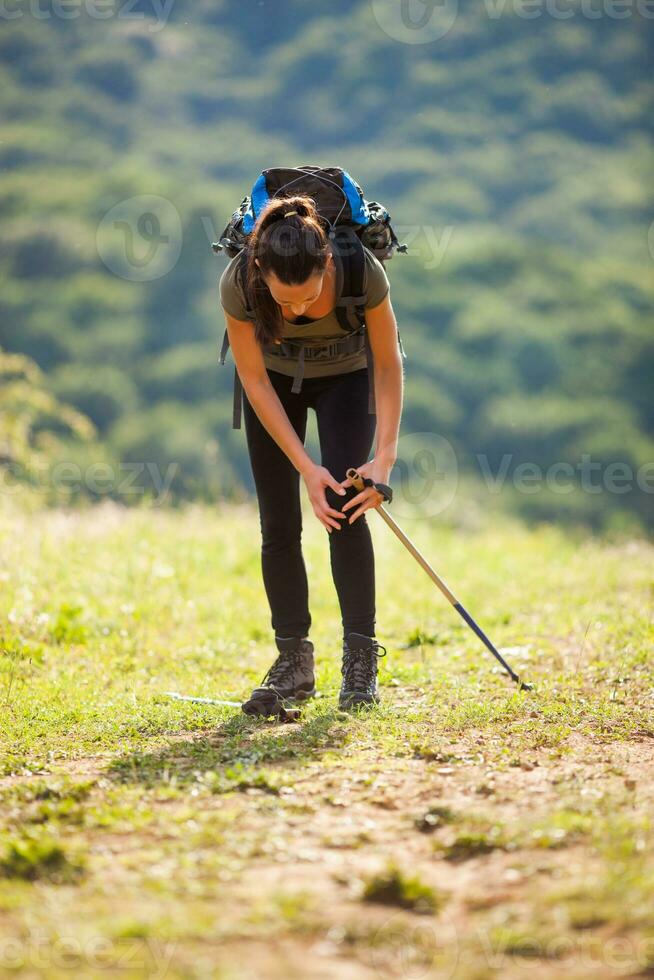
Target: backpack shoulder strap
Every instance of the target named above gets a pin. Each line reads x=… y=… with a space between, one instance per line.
x=351 y=304
x=241 y=275
x=350 y=257
x=240 y=278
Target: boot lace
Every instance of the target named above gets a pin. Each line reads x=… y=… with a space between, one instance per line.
x=282 y=672
x=360 y=666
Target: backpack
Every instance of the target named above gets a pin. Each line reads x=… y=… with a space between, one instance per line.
x=352 y=223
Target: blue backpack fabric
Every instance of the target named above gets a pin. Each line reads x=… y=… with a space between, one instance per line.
x=352 y=222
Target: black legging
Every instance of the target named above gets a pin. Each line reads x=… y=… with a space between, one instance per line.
x=346 y=433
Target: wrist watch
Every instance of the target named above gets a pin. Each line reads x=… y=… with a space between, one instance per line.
x=385 y=491
x=381 y=488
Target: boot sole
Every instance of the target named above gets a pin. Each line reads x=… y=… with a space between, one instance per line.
x=292 y=699
x=301 y=696
x=353 y=702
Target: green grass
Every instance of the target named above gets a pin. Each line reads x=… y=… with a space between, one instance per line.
x=192 y=837
x=34 y=857
x=392 y=886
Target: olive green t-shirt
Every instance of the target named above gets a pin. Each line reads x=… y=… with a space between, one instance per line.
x=376 y=286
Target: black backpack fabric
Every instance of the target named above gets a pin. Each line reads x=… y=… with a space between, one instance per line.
x=351 y=223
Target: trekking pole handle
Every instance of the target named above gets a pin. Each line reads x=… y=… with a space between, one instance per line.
x=360 y=483
x=357 y=479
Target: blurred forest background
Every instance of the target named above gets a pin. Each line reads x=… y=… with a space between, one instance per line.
x=514 y=154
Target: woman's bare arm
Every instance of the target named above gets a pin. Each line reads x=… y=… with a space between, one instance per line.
x=262 y=396
x=389 y=394
x=389 y=379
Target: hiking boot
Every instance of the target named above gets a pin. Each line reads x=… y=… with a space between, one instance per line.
x=360 y=656
x=291 y=675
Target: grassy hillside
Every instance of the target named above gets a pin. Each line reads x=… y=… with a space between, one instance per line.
x=460 y=827
x=513 y=154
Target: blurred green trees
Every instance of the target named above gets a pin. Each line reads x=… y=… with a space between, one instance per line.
x=514 y=155
x=35 y=426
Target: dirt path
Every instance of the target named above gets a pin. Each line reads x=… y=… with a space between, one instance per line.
x=322 y=835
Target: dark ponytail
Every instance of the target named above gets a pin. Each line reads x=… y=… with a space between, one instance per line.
x=293 y=248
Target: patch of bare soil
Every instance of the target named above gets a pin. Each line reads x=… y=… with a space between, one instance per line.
x=343 y=821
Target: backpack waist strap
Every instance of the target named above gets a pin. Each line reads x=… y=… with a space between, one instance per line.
x=307 y=351
x=318 y=350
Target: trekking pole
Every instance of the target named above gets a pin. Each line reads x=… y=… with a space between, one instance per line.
x=270 y=705
x=359 y=484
